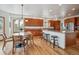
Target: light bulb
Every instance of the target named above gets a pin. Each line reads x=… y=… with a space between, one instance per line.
x=26 y=20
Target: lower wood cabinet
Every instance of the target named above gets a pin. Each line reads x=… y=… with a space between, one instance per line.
x=35 y=32
x=70 y=39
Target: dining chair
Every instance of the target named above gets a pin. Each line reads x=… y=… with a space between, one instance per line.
x=28 y=40
x=5 y=40
x=18 y=42
x=29 y=36
x=21 y=40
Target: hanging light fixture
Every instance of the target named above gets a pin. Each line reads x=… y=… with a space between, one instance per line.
x=21 y=22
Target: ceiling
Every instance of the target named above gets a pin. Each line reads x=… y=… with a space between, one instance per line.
x=42 y=10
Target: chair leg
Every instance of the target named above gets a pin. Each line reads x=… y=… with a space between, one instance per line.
x=13 y=49
x=50 y=43
x=41 y=37
x=32 y=40
x=4 y=45
x=24 y=50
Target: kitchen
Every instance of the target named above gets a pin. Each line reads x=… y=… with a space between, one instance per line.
x=51 y=23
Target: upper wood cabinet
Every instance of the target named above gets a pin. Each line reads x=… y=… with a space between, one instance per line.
x=33 y=22
x=72 y=20
x=69 y=20
x=55 y=24
x=51 y=23
x=77 y=21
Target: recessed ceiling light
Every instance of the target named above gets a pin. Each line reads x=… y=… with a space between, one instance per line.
x=73 y=9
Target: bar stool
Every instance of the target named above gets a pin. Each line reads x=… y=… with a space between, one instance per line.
x=47 y=36
x=55 y=41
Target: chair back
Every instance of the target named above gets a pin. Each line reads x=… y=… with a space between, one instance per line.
x=28 y=35
x=4 y=36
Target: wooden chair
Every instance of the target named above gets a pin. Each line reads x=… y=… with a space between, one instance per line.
x=5 y=39
x=18 y=40
x=30 y=38
x=24 y=40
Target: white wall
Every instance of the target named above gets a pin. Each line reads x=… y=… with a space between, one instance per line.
x=6 y=15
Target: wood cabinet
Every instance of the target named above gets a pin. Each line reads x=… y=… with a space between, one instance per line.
x=72 y=20
x=35 y=32
x=33 y=22
x=66 y=22
x=70 y=39
x=73 y=37
x=69 y=20
x=55 y=24
x=77 y=22
x=51 y=23
x=77 y=34
x=70 y=24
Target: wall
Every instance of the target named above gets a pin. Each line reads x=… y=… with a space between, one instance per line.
x=45 y=23
x=9 y=21
x=6 y=15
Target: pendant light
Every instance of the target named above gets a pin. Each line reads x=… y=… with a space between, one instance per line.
x=21 y=22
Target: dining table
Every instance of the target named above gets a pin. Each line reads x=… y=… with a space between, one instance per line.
x=22 y=37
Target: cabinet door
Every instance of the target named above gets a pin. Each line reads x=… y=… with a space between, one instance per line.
x=77 y=21
x=70 y=39
x=72 y=20
x=66 y=22
x=33 y=22
x=57 y=25
x=35 y=32
x=51 y=23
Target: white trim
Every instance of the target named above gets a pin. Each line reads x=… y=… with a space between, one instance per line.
x=71 y=17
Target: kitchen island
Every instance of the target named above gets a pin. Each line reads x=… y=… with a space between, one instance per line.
x=65 y=39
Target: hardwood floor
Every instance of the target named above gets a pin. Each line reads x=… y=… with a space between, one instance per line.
x=40 y=47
